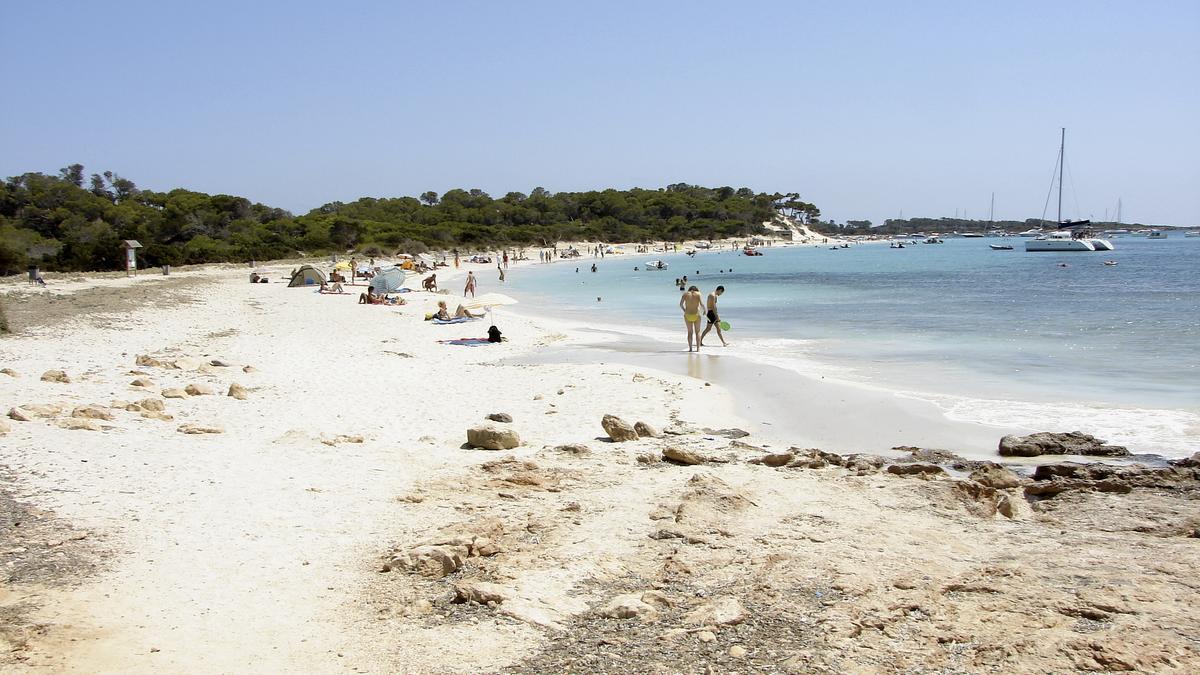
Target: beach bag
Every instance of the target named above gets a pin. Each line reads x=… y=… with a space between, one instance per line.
x=493 y=334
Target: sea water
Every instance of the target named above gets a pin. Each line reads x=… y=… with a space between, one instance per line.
x=1053 y=341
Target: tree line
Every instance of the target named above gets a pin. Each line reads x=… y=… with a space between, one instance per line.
x=72 y=221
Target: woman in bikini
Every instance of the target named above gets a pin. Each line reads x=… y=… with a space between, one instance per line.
x=690 y=304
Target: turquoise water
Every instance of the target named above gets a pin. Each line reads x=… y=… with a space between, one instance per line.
x=992 y=336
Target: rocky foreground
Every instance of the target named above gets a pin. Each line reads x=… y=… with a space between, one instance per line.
x=757 y=560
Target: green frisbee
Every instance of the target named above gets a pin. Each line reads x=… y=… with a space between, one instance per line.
x=724 y=325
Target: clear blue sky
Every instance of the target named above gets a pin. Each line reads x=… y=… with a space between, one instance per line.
x=865 y=108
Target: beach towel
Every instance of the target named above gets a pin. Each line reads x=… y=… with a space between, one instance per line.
x=457 y=319
x=466 y=342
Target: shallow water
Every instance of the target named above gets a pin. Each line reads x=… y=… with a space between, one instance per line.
x=1002 y=337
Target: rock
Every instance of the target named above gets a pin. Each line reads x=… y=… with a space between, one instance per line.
x=480 y=592
x=979 y=500
x=1048 y=443
x=649 y=458
x=812 y=458
x=249 y=369
x=187 y=363
x=237 y=391
x=630 y=606
x=142 y=382
x=9 y=372
x=1188 y=462
x=644 y=430
x=1052 y=479
x=152 y=404
x=56 y=376
x=490 y=437
x=157 y=415
x=150 y=361
x=91 y=412
x=219 y=363
x=500 y=417
x=737 y=651
x=421 y=607
x=25 y=413
x=428 y=561
x=199 y=429
x=995 y=476
x=5 y=427
x=19 y=415
x=1004 y=505
x=681 y=455
x=916 y=469
x=341 y=438
x=199 y=389
x=863 y=464
x=174 y=393
x=618 y=429
x=76 y=423
x=775 y=459
x=724 y=611
x=706 y=636
x=728 y=433
x=577 y=449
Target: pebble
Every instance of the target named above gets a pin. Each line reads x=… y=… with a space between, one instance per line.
x=737 y=651
x=706 y=636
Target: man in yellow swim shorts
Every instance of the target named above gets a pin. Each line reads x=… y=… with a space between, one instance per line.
x=690 y=304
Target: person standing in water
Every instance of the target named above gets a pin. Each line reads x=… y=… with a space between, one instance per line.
x=690 y=304
x=714 y=319
x=470 y=288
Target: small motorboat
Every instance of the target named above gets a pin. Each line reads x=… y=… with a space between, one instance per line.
x=1001 y=247
x=1110 y=263
x=750 y=252
x=656 y=265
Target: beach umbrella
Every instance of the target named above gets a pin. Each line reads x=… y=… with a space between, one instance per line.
x=343 y=265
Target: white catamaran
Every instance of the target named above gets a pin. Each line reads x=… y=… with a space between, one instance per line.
x=1070 y=236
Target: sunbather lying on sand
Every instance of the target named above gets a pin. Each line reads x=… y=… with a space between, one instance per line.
x=444 y=314
x=335 y=288
x=373 y=298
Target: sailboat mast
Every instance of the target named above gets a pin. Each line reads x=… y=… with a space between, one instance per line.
x=992 y=210
x=1062 y=146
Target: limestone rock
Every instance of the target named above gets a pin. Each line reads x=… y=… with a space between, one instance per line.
x=775 y=459
x=199 y=389
x=629 y=606
x=157 y=415
x=428 y=561
x=150 y=361
x=25 y=413
x=645 y=430
x=681 y=455
x=142 y=382
x=174 y=393
x=19 y=415
x=249 y=369
x=995 y=476
x=237 y=391
x=199 y=429
x=724 y=611
x=577 y=449
x=649 y=458
x=500 y=417
x=219 y=363
x=152 y=404
x=480 y=592
x=491 y=437
x=91 y=412
x=737 y=651
x=56 y=376
x=187 y=363
x=618 y=429
x=9 y=372
x=1049 y=443
x=706 y=636
x=918 y=469
x=77 y=423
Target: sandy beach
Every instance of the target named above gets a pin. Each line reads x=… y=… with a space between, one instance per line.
x=330 y=518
